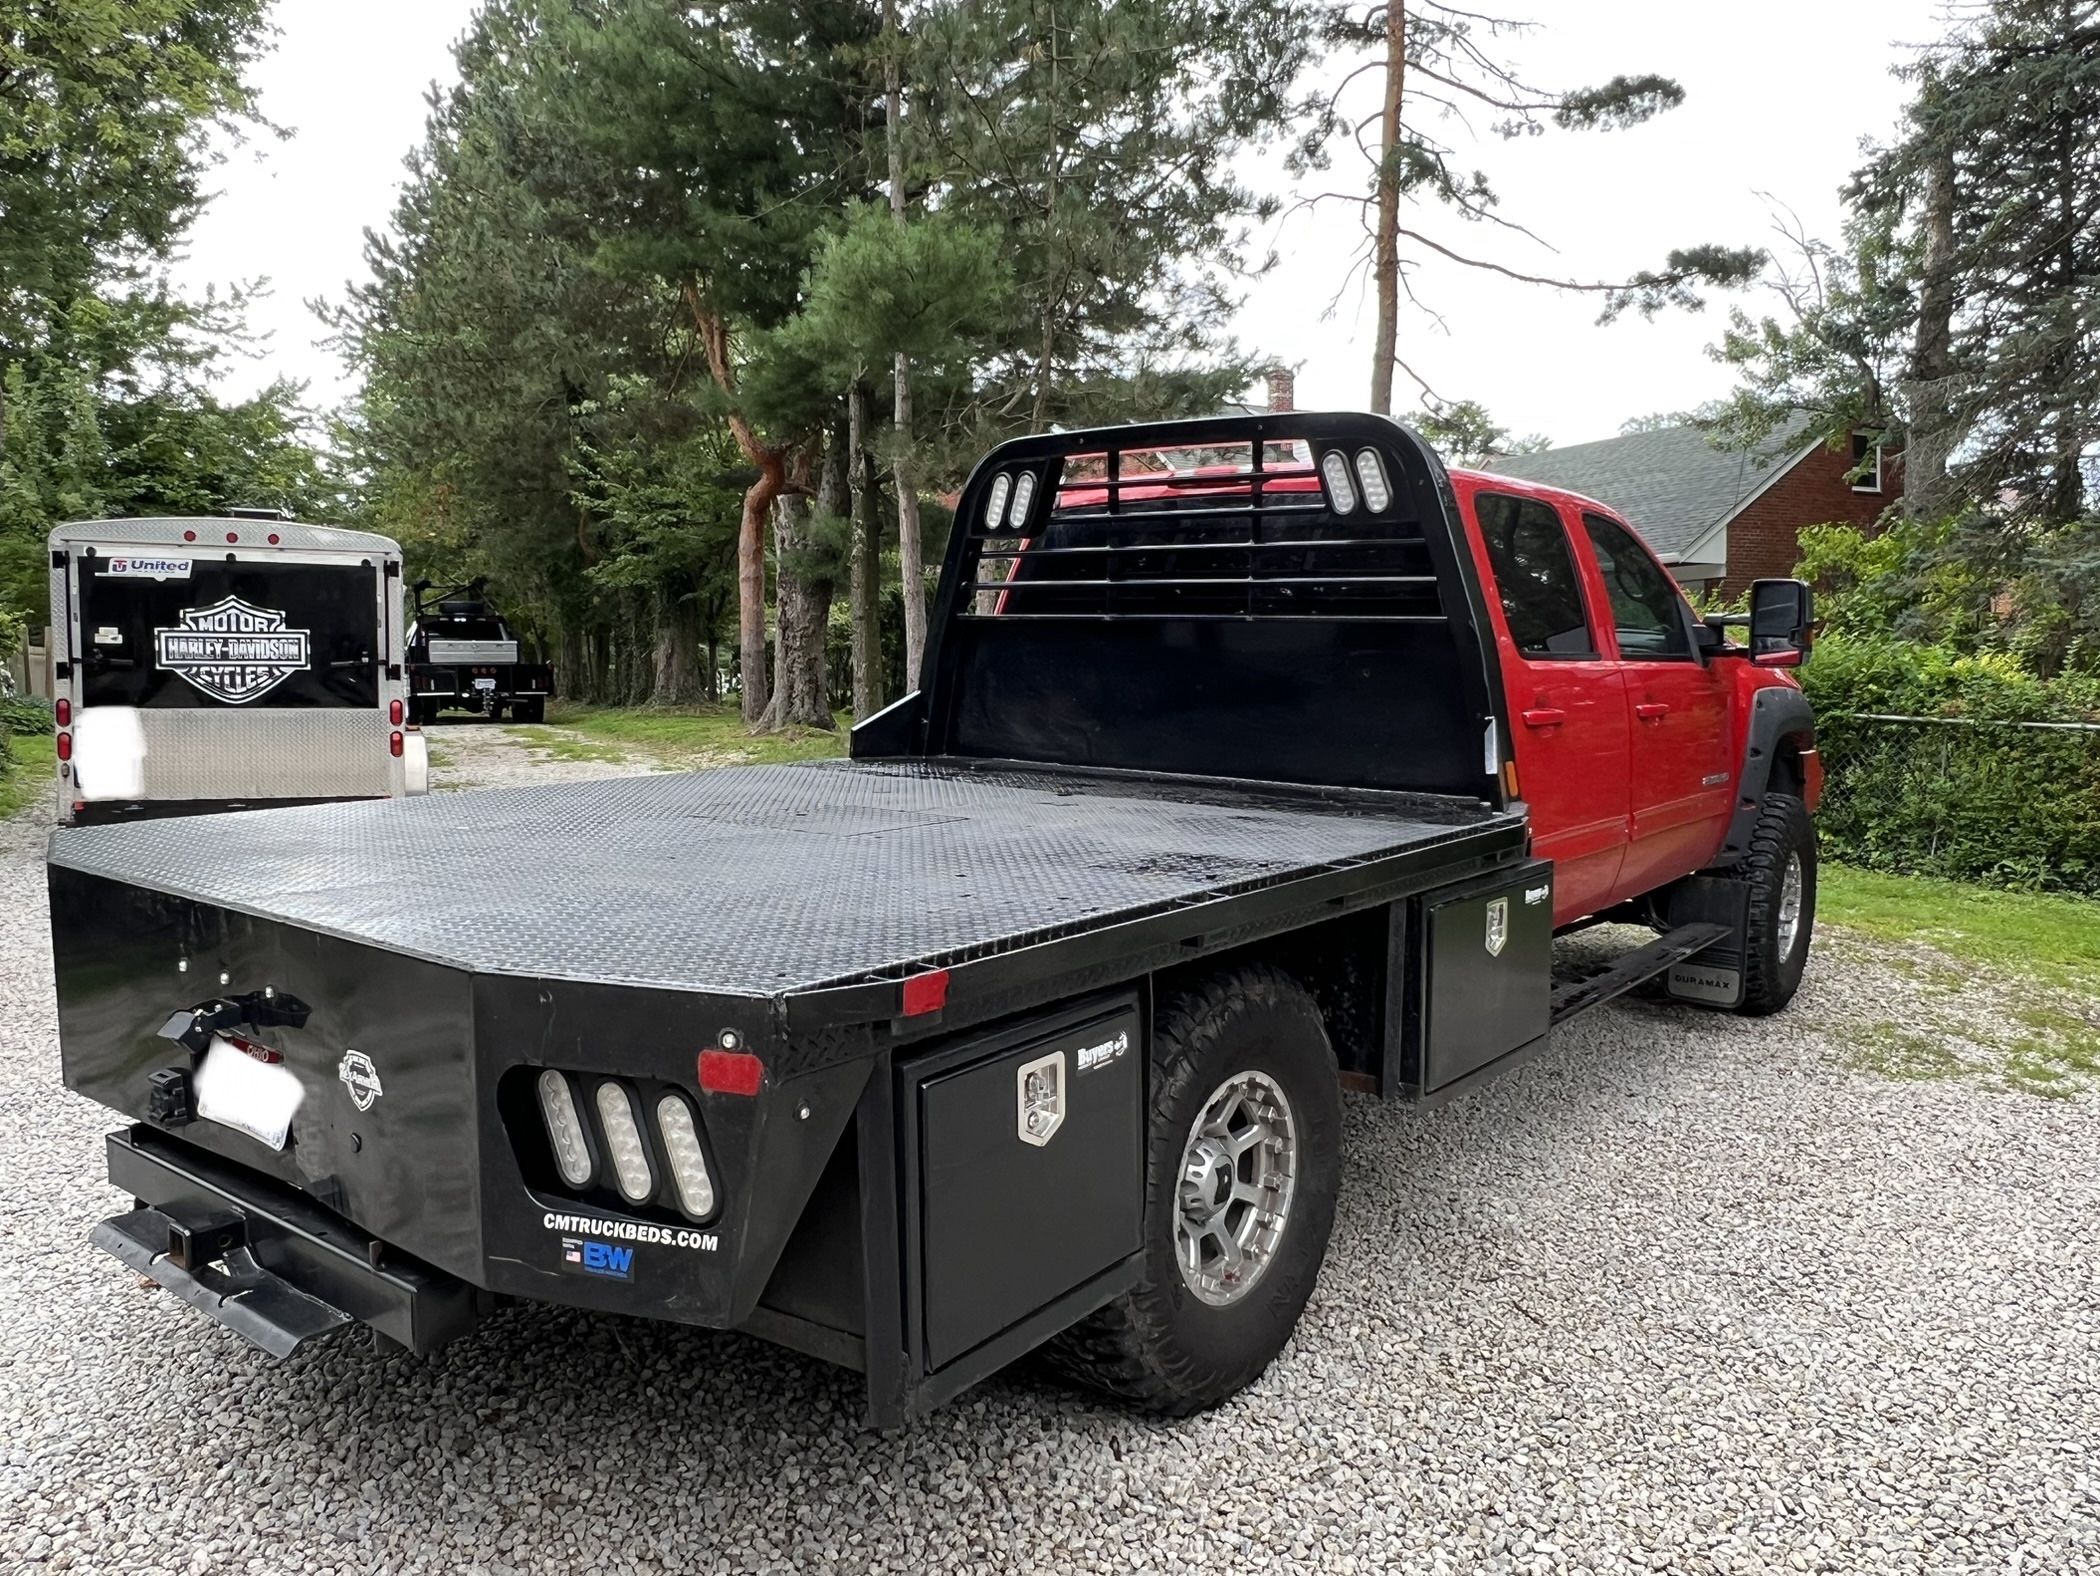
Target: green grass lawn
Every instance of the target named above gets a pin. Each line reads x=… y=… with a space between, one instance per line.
x=695 y=736
x=2039 y=935
x=36 y=760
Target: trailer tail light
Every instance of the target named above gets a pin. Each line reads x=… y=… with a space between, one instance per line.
x=572 y=1154
x=731 y=1072
x=63 y=711
x=393 y=743
x=1341 y=492
x=393 y=712
x=623 y=1139
x=696 y=1189
x=65 y=746
x=1371 y=472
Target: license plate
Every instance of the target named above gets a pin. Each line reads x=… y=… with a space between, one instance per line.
x=254 y=1097
x=484 y=683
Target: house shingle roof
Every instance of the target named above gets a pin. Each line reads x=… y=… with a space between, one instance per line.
x=1672 y=485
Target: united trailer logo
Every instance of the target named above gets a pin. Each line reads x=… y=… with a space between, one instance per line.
x=232 y=650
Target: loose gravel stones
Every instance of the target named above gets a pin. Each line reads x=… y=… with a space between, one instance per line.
x=1687 y=1294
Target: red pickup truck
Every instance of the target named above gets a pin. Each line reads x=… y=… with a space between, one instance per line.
x=1253 y=760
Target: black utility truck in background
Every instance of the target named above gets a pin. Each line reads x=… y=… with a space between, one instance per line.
x=463 y=656
x=1027 y=1024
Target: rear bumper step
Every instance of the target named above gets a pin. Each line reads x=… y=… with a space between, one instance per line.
x=264 y=1262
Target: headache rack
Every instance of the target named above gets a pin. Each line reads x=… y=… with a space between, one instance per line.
x=1275 y=597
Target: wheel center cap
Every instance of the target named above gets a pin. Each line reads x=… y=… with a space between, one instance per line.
x=1206 y=1180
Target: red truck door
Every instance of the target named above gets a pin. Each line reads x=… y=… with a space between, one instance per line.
x=1682 y=781
x=1567 y=698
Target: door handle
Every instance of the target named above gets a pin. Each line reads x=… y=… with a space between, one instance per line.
x=1649 y=710
x=1544 y=717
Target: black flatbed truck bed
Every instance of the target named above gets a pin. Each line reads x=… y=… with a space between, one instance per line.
x=1220 y=785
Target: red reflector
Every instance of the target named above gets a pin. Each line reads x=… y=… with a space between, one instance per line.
x=65 y=746
x=925 y=993
x=393 y=744
x=64 y=712
x=731 y=1072
x=393 y=712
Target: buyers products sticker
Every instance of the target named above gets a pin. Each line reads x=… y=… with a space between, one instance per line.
x=147 y=568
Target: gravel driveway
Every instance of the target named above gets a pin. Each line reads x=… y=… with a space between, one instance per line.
x=1685 y=1294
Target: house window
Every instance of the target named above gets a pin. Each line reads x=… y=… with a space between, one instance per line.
x=1866 y=464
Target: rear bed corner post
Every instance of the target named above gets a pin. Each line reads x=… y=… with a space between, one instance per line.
x=887 y=1369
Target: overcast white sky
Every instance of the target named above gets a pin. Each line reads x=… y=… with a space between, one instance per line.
x=1778 y=98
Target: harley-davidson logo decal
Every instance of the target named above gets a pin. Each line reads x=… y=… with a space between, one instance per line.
x=232 y=651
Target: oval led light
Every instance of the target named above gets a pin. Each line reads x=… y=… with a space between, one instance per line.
x=696 y=1189
x=1024 y=495
x=623 y=1138
x=572 y=1156
x=1341 y=496
x=995 y=506
x=1371 y=472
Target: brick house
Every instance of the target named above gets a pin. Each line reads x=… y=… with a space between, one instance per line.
x=1720 y=518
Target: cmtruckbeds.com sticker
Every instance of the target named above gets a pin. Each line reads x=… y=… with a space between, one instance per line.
x=633 y=1231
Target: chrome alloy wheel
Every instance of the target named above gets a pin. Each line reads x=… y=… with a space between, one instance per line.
x=1789 y=906
x=1238 y=1171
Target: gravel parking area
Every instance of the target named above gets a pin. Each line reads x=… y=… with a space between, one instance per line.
x=1689 y=1293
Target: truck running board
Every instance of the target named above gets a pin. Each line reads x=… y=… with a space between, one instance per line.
x=1643 y=964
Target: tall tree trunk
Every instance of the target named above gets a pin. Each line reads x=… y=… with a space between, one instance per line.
x=866 y=551
x=1385 y=263
x=1933 y=425
x=801 y=697
x=913 y=568
x=771 y=460
x=677 y=675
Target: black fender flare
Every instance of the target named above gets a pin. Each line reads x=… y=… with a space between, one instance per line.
x=1777 y=714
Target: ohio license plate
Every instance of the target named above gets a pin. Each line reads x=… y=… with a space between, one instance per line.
x=250 y=1096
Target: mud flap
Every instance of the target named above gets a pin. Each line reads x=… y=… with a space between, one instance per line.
x=228 y=1287
x=1714 y=977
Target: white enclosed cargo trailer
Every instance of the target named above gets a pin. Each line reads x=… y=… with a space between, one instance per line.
x=227 y=663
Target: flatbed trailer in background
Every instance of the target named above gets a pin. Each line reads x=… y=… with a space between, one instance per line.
x=1028 y=1024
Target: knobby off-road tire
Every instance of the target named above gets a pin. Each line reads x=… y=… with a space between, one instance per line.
x=1230 y=1044
x=1780 y=870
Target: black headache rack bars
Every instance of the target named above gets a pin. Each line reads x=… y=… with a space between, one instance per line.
x=1282 y=598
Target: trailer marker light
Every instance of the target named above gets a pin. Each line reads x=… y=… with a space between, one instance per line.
x=924 y=993
x=1024 y=495
x=572 y=1156
x=274 y=538
x=674 y=1124
x=1371 y=473
x=731 y=1072
x=393 y=744
x=233 y=536
x=393 y=712
x=1341 y=495
x=995 y=506
x=624 y=1138
x=65 y=746
x=189 y=536
x=63 y=711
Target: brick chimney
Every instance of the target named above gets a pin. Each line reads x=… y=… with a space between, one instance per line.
x=1283 y=389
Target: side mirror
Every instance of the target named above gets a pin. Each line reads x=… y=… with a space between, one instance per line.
x=1781 y=612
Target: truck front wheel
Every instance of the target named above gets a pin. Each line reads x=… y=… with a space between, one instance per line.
x=1243 y=1161
x=1780 y=870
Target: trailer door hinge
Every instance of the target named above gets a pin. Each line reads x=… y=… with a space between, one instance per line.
x=58 y=560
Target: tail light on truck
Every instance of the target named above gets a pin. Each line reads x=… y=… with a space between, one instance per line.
x=640 y=1148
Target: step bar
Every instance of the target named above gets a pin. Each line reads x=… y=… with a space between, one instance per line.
x=1635 y=968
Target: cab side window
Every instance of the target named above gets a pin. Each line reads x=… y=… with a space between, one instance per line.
x=1646 y=605
x=1535 y=572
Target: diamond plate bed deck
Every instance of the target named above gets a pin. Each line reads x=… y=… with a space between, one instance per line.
x=759 y=880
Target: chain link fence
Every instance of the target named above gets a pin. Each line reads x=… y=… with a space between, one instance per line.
x=2009 y=803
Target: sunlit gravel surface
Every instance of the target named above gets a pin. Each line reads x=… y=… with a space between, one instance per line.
x=1684 y=1295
